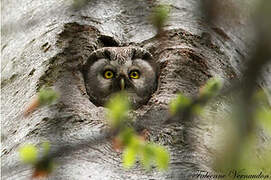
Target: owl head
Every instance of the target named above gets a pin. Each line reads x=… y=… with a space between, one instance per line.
x=113 y=69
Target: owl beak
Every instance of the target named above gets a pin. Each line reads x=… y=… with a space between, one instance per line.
x=122 y=84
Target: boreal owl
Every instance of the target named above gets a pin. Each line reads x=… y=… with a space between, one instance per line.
x=112 y=69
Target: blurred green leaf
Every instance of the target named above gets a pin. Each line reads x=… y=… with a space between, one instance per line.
x=129 y=157
x=46 y=147
x=126 y=136
x=147 y=152
x=197 y=109
x=147 y=156
x=160 y=15
x=118 y=107
x=162 y=157
x=136 y=142
x=133 y=144
x=47 y=96
x=29 y=154
x=211 y=88
x=180 y=102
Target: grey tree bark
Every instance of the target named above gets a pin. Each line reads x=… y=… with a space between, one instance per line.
x=44 y=43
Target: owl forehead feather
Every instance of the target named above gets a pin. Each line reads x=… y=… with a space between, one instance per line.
x=121 y=54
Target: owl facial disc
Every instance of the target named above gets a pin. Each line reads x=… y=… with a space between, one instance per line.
x=113 y=69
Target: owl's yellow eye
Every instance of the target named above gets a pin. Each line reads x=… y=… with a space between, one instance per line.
x=134 y=74
x=108 y=74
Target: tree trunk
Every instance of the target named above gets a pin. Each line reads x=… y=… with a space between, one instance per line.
x=44 y=43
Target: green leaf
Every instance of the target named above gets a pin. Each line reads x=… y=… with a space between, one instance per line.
x=162 y=157
x=197 y=109
x=211 y=88
x=118 y=107
x=47 y=96
x=147 y=156
x=29 y=154
x=180 y=102
x=127 y=136
x=160 y=15
x=129 y=157
x=46 y=147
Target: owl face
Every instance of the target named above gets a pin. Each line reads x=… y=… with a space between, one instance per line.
x=113 y=69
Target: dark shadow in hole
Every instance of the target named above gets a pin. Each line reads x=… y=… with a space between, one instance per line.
x=108 y=41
